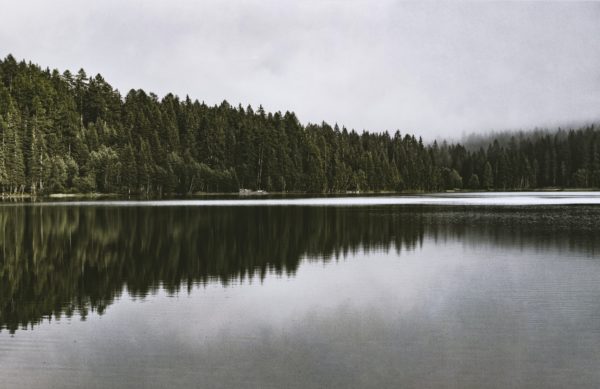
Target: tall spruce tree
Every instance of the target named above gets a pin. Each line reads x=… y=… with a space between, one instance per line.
x=72 y=132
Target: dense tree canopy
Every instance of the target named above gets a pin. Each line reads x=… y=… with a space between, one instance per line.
x=75 y=133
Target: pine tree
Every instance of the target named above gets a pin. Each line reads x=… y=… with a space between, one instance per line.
x=38 y=157
x=73 y=133
x=13 y=152
x=473 y=182
x=129 y=174
x=488 y=176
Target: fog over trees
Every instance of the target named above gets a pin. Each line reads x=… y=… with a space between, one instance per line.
x=73 y=132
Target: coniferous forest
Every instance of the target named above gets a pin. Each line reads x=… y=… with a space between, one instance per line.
x=65 y=132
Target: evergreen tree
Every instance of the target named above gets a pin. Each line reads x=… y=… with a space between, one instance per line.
x=488 y=177
x=13 y=151
x=473 y=182
x=71 y=132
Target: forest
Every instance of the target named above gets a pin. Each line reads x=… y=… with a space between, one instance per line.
x=75 y=133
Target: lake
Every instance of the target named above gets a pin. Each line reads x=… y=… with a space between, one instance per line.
x=440 y=291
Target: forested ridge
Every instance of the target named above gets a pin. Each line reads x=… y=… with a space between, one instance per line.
x=65 y=132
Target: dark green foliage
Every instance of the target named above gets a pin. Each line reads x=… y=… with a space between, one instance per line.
x=75 y=133
x=452 y=179
x=473 y=182
x=488 y=176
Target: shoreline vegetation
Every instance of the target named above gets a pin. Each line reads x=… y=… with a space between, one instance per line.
x=65 y=135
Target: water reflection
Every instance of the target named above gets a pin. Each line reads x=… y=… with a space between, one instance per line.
x=63 y=260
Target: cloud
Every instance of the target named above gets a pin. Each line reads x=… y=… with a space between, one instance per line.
x=429 y=68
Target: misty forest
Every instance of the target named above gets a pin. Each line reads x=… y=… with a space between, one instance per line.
x=74 y=133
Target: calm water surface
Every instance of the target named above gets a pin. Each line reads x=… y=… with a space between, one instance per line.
x=467 y=292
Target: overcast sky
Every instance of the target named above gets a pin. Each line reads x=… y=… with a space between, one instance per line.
x=431 y=69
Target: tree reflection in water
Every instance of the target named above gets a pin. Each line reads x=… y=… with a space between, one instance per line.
x=60 y=260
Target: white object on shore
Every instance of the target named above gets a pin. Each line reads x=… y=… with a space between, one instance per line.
x=249 y=192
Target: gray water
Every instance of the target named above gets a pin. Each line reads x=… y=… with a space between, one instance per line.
x=315 y=293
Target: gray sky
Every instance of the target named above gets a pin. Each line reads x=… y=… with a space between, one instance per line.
x=430 y=69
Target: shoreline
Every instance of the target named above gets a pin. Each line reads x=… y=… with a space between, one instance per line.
x=73 y=196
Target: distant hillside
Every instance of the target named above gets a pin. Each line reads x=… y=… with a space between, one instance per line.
x=476 y=141
x=65 y=132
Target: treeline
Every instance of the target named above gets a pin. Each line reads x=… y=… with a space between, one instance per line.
x=74 y=133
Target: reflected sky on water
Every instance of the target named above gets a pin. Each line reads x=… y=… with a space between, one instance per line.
x=336 y=296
